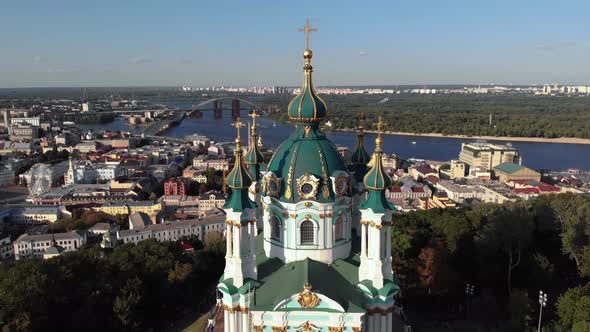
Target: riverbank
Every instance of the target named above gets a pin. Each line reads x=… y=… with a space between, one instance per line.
x=562 y=140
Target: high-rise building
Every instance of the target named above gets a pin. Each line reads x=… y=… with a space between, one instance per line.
x=487 y=155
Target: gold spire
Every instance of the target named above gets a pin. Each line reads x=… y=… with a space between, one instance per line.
x=238 y=124
x=379 y=140
x=253 y=128
x=361 y=122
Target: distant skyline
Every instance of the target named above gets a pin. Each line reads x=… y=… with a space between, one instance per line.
x=65 y=43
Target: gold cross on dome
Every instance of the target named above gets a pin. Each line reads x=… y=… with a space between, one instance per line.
x=380 y=125
x=307 y=29
x=254 y=115
x=238 y=124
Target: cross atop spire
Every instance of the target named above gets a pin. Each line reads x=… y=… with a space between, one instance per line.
x=254 y=115
x=307 y=29
x=238 y=124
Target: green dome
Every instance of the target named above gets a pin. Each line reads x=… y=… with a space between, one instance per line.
x=307 y=106
x=307 y=151
x=360 y=155
x=239 y=177
x=253 y=155
x=377 y=178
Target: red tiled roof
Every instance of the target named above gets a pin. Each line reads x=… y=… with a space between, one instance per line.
x=526 y=191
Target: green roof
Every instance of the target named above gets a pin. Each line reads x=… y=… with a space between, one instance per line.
x=239 y=177
x=307 y=106
x=508 y=168
x=377 y=178
x=307 y=150
x=280 y=281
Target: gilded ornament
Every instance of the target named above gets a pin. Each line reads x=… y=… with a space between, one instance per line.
x=279 y=329
x=356 y=329
x=307 y=299
x=307 y=186
x=258 y=328
x=294 y=216
x=335 y=329
x=307 y=327
x=308 y=204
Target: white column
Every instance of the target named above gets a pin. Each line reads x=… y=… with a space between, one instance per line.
x=388 y=242
x=237 y=244
x=383 y=323
x=245 y=325
x=372 y=323
x=228 y=240
x=232 y=322
x=363 y=240
x=389 y=321
x=226 y=320
x=252 y=238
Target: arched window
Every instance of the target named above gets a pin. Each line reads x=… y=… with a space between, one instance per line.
x=339 y=228
x=275 y=228
x=307 y=232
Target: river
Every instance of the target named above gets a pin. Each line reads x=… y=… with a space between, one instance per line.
x=537 y=155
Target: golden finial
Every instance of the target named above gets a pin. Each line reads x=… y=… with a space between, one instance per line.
x=238 y=124
x=307 y=286
x=307 y=29
x=361 y=122
x=379 y=140
x=254 y=115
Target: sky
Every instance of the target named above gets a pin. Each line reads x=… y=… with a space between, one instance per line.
x=62 y=43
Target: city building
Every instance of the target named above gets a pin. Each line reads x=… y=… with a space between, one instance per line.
x=6 y=248
x=439 y=200
x=422 y=171
x=176 y=186
x=458 y=169
x=37 y=246
x=24 y=132
x=175 y=230
x=507 y=172
x=6 y=176
x=114 y=208
x=460 y=193
x=211 y=200
x=35 y=215
x=487 y=155
x=205 y=162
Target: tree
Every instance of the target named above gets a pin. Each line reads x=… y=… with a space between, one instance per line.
x=128 y=303
x=520 y=310
x=507 y=229
x=432 y=266
x=573 y=309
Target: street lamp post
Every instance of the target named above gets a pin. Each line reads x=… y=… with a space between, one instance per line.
x=469 y=290
x=542 y=303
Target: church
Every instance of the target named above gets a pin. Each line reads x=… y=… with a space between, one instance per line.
x=308 y=240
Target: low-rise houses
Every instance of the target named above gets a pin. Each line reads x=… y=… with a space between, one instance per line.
x=208 y=162
x=36 y=215
x=114 y=208
x=6 y=176
x=460 y=193
x=6 y=249
x=176 y=230
x=36 y=246
x=507 y=172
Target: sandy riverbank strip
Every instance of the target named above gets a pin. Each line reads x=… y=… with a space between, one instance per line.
x=564 y=140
